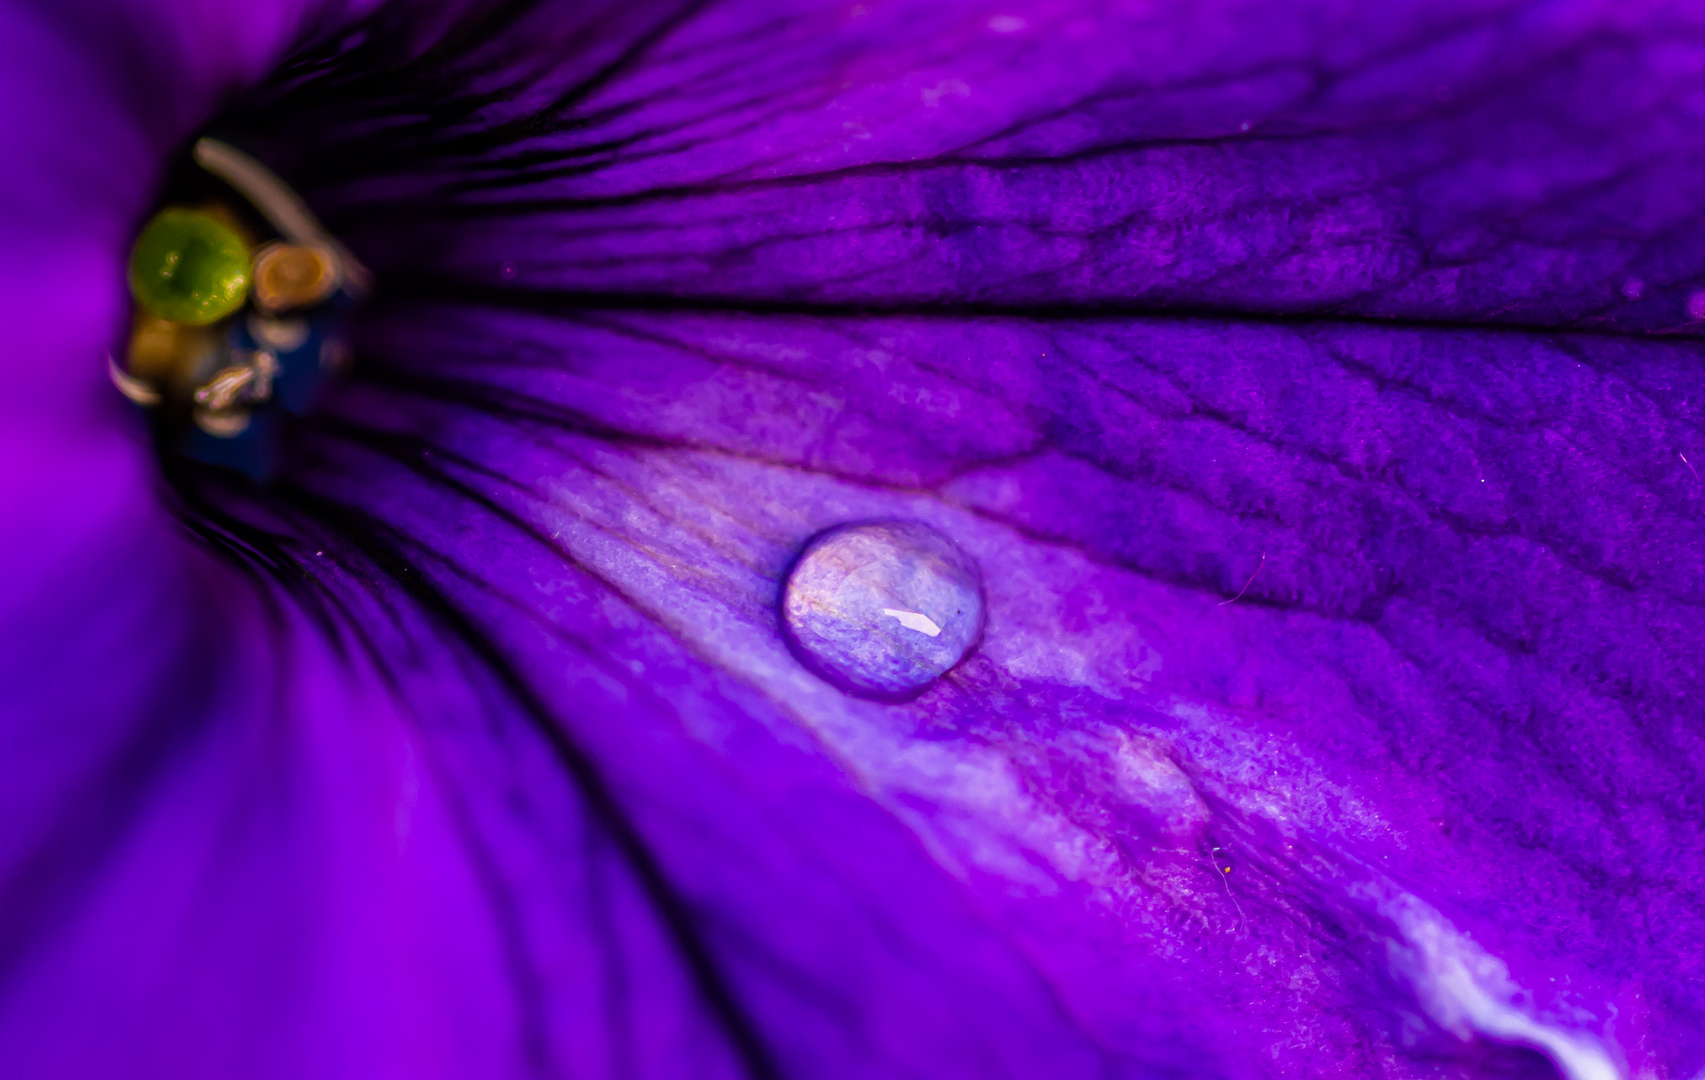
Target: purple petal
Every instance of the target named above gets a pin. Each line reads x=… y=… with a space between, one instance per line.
x=1332 y=712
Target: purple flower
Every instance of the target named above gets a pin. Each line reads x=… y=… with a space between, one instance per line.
x=1314 y=391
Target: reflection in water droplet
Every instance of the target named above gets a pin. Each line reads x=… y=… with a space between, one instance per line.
x=882 y=609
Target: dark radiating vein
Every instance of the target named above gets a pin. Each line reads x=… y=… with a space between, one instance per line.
x=384 y=548
x=549 y=302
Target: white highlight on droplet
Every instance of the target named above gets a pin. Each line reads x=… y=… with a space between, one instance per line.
x=914 y=620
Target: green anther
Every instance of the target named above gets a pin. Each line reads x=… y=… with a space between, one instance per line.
x=189 y=267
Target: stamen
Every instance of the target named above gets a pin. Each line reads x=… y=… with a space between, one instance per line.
x=285 y=335
x=131 y=387
x=223 y=389
x=222 y=425
x=282 y=208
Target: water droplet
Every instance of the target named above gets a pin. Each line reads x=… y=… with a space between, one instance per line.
x=882 y=609
x=507 y=269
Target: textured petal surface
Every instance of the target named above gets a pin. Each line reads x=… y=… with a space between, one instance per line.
x=1315 y=389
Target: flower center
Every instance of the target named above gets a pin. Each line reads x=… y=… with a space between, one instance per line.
x=240 y=305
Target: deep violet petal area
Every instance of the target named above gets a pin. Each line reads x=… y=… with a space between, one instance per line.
x=1332 y=714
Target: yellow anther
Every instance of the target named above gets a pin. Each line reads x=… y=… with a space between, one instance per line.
x=170 y=354
x=292 y=276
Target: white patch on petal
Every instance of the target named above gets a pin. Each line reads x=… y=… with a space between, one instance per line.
x=1147 y=777
x=946 y=88
x=1467 y=991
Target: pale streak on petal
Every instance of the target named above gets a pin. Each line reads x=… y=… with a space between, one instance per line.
x=1467 y=990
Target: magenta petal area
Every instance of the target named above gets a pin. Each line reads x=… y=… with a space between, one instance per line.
x=1315 y=393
